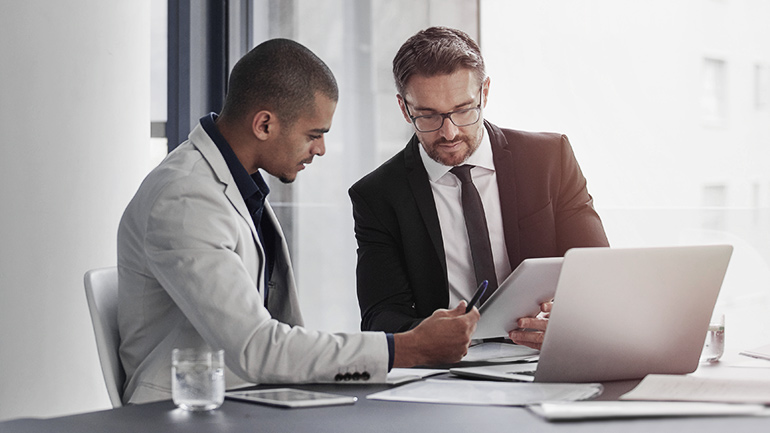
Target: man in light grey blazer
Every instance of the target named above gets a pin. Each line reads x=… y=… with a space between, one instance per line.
x=203 y=262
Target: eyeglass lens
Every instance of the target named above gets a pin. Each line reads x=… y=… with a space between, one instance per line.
x=436 y=121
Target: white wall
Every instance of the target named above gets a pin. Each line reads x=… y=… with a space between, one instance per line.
x=74 y=116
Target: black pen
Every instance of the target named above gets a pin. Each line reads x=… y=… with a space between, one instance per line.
x=476 y=296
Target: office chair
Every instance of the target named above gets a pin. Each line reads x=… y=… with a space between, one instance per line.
x=102 y=295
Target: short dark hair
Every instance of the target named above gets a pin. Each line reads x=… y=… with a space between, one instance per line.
x=281 y=76
x=436 y=51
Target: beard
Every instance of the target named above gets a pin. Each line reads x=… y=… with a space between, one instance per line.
x=451 y=159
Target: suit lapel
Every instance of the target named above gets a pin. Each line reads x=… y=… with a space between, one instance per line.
x=504 y=158
x=213 y=156
x=423 y=195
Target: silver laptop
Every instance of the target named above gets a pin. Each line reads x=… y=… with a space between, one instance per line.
x=623 y=313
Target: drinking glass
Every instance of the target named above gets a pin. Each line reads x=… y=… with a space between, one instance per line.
x=197 y=379
x=714 y=346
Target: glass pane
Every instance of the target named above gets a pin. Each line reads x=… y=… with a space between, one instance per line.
x=664 y=123
x=357 y=39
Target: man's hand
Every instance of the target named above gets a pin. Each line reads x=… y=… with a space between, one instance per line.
x=442 y=338
x=531 y=330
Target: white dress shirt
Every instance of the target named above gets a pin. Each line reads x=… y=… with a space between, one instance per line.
x=447 y=194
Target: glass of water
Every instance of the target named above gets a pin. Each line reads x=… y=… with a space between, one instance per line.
x=714 y=346
x=197 y=379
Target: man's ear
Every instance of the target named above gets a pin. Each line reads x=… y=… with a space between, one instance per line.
x=263 y=124
x=485 y=91
x=402 y=105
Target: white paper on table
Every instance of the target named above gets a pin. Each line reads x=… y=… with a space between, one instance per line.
x=665 y=387
x=580 y=410
x=500 y=352
x=488 y=393
x=750 y=363
x=397 y=376
x=762 y=352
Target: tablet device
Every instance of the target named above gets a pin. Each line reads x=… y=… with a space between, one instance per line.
x=289 y=397
x=520 y=295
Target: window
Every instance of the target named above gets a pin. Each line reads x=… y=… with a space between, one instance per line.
x=358 y=40
x=714 y=91
x=647 y=114
x=670 y=140
x=761 y=86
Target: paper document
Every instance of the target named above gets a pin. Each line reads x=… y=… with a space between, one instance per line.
x=762 y=352
x=663 y=387
x=397 y=376
x=581 y=410
x=751 y=363
x=488 y=393
x=499 y=352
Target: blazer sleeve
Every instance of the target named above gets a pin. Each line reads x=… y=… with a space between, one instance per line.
x=196 y=246
x=577 y=222
x=384 y=291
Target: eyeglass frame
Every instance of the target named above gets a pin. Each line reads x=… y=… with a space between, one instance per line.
x=447 y=115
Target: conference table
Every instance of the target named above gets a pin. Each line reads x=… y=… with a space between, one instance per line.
x=372 y=416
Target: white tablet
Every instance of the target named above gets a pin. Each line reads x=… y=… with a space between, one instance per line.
x=520 y=295
x=289 y=397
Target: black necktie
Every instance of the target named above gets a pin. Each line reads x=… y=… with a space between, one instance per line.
x=478 y=232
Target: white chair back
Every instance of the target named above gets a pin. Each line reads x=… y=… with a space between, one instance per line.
x=102 y=295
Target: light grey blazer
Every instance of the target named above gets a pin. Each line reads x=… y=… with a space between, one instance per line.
x=191 y=273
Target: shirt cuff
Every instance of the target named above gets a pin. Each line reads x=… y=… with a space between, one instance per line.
x=391 y=350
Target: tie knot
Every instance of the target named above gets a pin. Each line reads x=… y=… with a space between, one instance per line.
x=463 y=172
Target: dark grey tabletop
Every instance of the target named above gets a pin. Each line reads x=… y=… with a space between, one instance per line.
x=365 y=416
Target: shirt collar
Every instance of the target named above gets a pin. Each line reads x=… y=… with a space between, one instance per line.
x=482 y=157
x=248 y=185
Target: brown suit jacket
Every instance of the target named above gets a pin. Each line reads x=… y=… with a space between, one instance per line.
x=401 y=272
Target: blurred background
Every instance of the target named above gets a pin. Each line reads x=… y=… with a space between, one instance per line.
x=667 y=105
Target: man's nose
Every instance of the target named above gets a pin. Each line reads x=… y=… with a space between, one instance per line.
x=320 y=147
x=449 y=130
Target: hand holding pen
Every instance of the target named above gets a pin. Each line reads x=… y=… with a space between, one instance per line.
x=477 y=296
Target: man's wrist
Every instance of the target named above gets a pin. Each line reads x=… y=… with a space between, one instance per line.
x=406 y=350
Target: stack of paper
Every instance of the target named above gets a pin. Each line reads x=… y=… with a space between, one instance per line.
x=496 y=352
x=665 y=387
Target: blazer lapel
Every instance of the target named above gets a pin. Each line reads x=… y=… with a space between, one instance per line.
x=504 y=158
x=423 y=195
x=213 y=156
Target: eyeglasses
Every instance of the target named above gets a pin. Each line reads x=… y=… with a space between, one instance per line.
x=434 y=122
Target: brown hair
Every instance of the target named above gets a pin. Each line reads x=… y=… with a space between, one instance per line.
x=436 y=51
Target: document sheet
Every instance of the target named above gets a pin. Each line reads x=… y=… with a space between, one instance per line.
x=581 y=410
x=762 y=352
x=663 y=387
x=398 y=376
x=488 y=393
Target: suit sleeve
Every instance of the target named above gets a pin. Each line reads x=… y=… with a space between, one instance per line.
x=576 y=220
x=195 y=245
x=384 y=293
